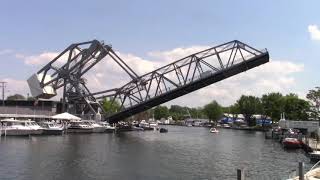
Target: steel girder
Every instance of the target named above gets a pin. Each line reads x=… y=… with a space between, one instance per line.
x=182 y=77
x=67 y=69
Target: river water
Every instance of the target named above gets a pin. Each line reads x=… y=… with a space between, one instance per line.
x=182 y=153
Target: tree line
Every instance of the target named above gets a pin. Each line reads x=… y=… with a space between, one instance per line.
x=268 y=105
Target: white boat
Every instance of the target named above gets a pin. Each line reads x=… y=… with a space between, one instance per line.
x=79 y=127
x=12 y=127
x=107 y=127
x=214 y=130
x=312 y=174
x=97 y=128
x=226 y=126
x=153 y=125
x=51 y=128
x=146 y=126
x=37 y=130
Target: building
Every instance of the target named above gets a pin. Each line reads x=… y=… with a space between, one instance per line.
x=30 y=109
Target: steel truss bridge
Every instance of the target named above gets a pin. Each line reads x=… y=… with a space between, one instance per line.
x=142 y=92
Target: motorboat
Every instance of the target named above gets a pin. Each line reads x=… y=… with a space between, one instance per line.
x=97 y=128
x=153 y=125
x=11 y=127
x=135 y=128
x=291 y=143
x=36 y=129
x=226 y=126
x=146 y=126
x=51 y=128
x=163 y=130
x=79 y=127
x=107 y=127
x=214 y=130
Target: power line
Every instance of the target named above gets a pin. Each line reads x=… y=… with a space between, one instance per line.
x=3 y=86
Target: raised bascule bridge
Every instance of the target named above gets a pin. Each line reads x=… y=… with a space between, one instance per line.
x=142 y=92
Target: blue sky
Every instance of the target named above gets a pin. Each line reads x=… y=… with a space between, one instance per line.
x=32 y=27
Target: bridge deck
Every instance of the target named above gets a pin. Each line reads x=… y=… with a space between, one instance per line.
x=190 y=87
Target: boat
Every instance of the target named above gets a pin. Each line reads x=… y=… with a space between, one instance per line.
x=214 y=130
x=291 y=143
x=226 y=126
x=163 y=130
x=312 y=174
x=107 y=127
x=51 y=128
x=153 y=125
x=146 y=126
x=11 y=127
x=135 y=128
x=97 y=128
x=36 y=129
x=79 y=127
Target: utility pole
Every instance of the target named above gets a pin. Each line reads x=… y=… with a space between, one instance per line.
x=3 y=85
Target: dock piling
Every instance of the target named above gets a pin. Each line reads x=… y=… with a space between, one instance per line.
x=301 y=174
x=240 y=174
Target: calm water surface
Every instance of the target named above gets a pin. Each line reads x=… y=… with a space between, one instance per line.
x=183 y=153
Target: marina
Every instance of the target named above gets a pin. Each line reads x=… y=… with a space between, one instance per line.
x=182 y=153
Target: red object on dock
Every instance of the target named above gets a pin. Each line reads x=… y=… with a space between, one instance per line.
x=291 y=143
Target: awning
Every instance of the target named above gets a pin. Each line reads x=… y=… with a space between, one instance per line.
x=66 y=116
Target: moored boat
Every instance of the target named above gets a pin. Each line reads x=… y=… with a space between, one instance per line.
x=146 y=126
x=97 y=128
x=135 y=128
x=79 y=127
x=291 y=143
x=51 y=128
x=11 y=127
x=107 y=127
x=226 y=126
x=36 y=129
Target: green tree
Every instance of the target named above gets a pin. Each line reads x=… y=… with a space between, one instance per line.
x=161 y=112
x=16 y=97
x=213 y=111
x=314 y=96
x=272 y=105
x=234 y=110
x=177 y=112
x=110 y=107
x=295 y=108
x=248 y=106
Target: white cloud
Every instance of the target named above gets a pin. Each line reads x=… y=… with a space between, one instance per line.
x=277 y=75
x=176 y=54
x=39 y=59
x=314 y=32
